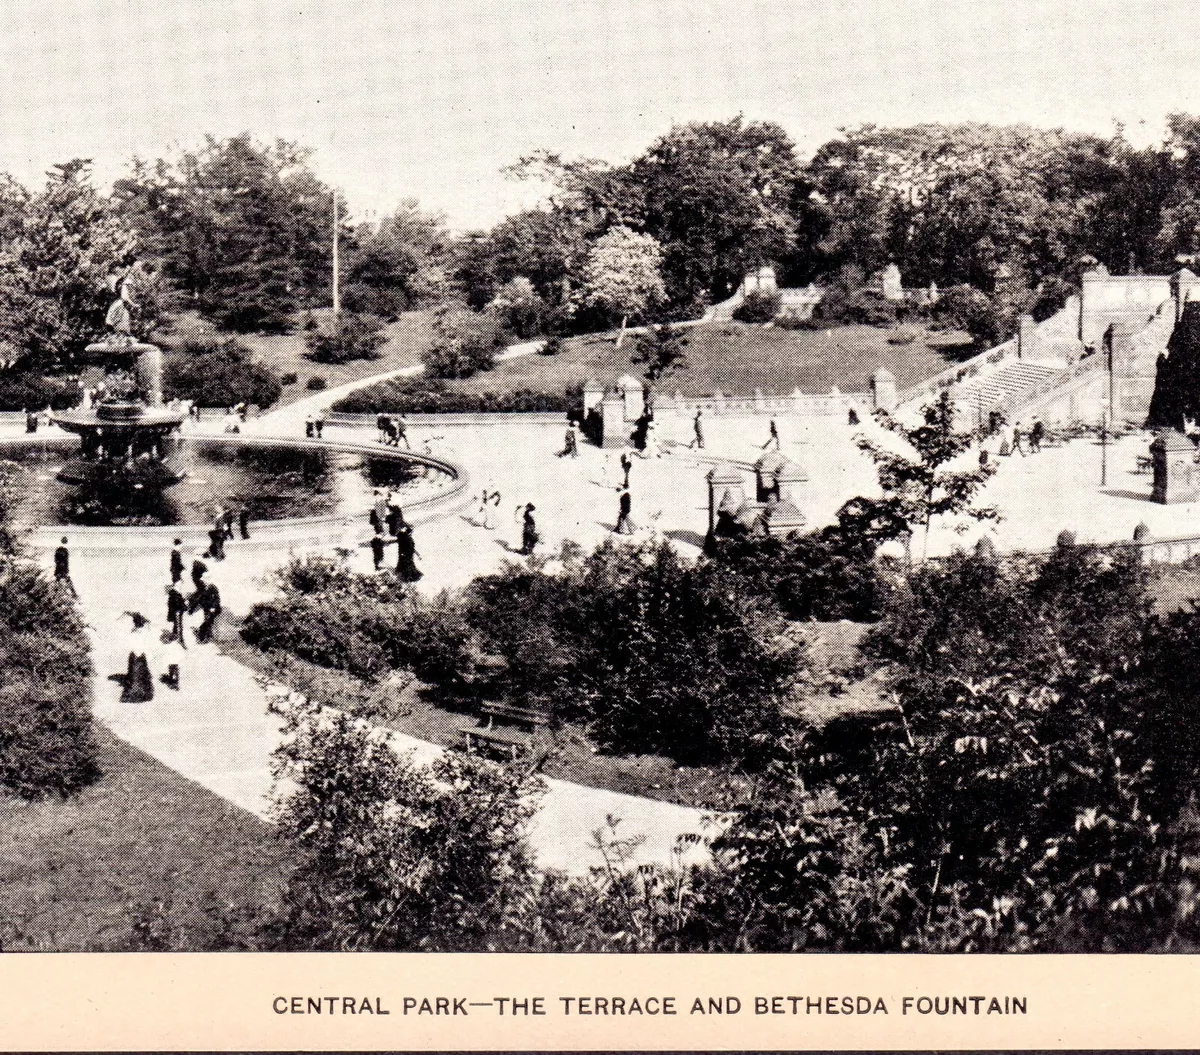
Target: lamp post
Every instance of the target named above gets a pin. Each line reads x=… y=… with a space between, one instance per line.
x=337 y=302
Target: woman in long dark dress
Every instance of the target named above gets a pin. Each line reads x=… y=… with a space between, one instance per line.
x=529 y=535
x=406 y=566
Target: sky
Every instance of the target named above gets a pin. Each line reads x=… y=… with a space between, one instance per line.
x=432 y=100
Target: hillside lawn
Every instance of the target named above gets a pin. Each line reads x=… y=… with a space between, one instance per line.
x=142 y=859
x=733 y=357
x=407 y=339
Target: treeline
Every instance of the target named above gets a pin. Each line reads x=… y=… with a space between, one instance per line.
x=240 y=231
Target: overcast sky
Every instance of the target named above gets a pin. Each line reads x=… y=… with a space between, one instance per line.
x=432 y=99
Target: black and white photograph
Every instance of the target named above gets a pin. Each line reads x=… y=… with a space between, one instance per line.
x=600 y=477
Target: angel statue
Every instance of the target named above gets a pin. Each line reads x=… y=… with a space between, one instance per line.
x=120 y=315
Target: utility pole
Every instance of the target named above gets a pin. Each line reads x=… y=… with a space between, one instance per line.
x=337 y=300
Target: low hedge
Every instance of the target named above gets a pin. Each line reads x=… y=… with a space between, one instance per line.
x=399 y=397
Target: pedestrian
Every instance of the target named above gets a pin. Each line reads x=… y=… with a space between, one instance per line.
x=377 y=543
x=383 y=423
x=406 y=552
x=210 y=605
x=651 y=447
x=773 y=438
x=176 y=606
x=698 y=430
x=198 y=570
x=380 y=508
x=395 y=519
x=62 y=566
x=244 y=521
x=490 y=503
x=852 y=417
x=529 y=533
x=227 y=518
x=176 y=562
x=624 y=524
x=216 y=543
x=626 y=465
x=31 y=422
x=401 y=432
x=1036 y=435
x=319 y=425
x=570 y=446
x=1016 y=447
x=309 y=427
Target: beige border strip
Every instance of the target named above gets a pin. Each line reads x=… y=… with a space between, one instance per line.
x=232 y=1001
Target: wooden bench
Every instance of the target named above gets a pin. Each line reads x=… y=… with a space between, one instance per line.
x=499 y=740
x=504 y=741
x=515 y=713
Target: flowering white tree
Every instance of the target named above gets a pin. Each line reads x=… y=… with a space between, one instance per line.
x=622 y=276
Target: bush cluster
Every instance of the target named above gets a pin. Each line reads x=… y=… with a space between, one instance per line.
x=47 y=745
x=365 y=625
x=416 y=397
x=350 y=338
x=30 y=391
x=218 y=374
x=464 y=343
x=758 y=306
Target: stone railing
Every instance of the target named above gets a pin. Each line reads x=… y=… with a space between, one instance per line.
x=796 y=403
x=977 y=365
x=1086 y=367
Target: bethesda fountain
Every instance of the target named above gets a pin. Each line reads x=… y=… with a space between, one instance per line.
x=126 y=434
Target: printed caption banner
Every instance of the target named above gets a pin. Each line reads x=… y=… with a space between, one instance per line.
x=406 y=1002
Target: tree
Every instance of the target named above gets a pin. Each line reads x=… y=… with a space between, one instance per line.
x=518 y=308
x=243 y=229
x=721 y=198
x=218 y=374
x=1176 y=395
x=917 y=490
x=660 y=351
x=57 y=270
x=621 y=277
x=396 y=266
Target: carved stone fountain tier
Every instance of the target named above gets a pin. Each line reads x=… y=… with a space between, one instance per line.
x=124 y=439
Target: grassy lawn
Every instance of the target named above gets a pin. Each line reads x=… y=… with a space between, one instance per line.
x=142 y=858
x=734 y=357
x=407 y=338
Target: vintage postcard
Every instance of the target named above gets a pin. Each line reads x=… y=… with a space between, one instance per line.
x=523 y=522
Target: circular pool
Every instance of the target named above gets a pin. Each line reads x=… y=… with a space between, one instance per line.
x=274 y=480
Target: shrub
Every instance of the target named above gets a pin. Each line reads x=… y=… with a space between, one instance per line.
x=758 y=306
x=47 y=745
x=352 y=337
x=218 y=374
x=464 y=343
x=289 y=378
x=316 y=383
x=366 y=625
x=850 y=307
x=394 y=856
x=552 y=345
x=28 y=391
x=418 y=396
x=518 y=308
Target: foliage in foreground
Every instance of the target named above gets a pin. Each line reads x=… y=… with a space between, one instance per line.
x=391 y=854
x=47 y=744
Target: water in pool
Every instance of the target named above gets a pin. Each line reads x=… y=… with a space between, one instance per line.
x=273 y=483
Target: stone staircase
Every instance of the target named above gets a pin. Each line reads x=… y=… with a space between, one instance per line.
x=1003 y=386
